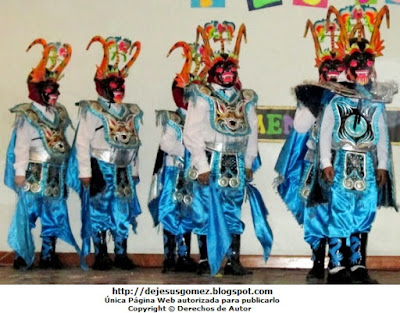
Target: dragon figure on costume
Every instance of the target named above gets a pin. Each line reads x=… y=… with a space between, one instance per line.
x=221 y=135
x=37 y=162
x=106 y=157
x=171 y=193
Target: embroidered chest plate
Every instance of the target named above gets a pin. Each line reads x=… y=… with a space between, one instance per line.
x=120 y=129
x=52 y=133
x=356 y=123
x=229 y=115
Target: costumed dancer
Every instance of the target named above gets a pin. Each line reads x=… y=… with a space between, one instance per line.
x=295 y=163
x=36 y=162
x=221 y=134
x=355 y=151
x=107 y=145
x=171 y=192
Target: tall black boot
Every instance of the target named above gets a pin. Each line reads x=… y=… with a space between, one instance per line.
x=338 y=262
x=203 y=267
x=318 y=270
x=358 y=269
x=184 y=263
x=169 y=252
x=20 y=264
x=48 y=256
x=233 y=266
x=121 y=259
x=102 y=261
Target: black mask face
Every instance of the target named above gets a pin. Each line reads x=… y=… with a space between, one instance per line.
x=112 y=88
x=224 y=73
x=360 y=66
x=44 y=92
x=330 y=69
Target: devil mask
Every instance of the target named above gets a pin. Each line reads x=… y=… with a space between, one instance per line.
x=224 y=72
x=111 y=88
x=44 y=92
x=109 y=79
x=360 y=52
x=360 y=64
x=42 y=80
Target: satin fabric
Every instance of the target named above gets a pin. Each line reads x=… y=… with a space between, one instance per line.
x=53 y=213
x=290 y=167
x=352 y=211
x=259 y=214
x=175 y=217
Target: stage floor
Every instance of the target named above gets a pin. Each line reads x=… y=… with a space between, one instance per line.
x=146 y=276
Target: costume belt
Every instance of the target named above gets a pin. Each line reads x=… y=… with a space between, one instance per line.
x=361 y=148
x=227 y=147
x=119 y=157
x=40 y=155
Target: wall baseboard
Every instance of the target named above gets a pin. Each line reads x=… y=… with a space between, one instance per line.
x=253 y=261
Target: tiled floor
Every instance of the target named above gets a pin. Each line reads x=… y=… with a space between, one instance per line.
x=75 y=275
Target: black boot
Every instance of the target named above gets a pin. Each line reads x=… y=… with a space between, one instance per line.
x=338 y=262
x=317 y=272
x=203 y=267
x=20 y=264
x=121 y=259
x=358 y=269
x=48 y=256
x=169 y=252
x=185 y=263
x=233 y=266
x=102 y=261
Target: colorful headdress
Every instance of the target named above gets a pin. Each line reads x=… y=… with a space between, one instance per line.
x=193 y=70
x=222 y=33
x=54 y=60
x=353 y=22
x=115 y=49
x=319 y=31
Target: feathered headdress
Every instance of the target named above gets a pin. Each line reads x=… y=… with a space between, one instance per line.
x=193 y=70
x=115 y=49
x=319 y=31
x=353 y=22
x=222 y=33
x=54 y=60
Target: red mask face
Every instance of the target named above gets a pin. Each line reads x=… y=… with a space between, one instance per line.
x=330 y=69
x=224 y=73
x=111 y=88
x=45 y=92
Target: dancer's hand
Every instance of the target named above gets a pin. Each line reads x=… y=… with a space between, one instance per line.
x=249 y=174
x=327 y=174
x=381 y=177
x=19 y=180
x=85 y=181
x=204 y=178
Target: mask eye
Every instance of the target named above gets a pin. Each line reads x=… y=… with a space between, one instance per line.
x=123 y=86
x=113 y=85
x=353 y=63
x=340 y=69
x=324 y=69
x=219 y=70
x=233 y=69
x=48 y=90
x=370 y=63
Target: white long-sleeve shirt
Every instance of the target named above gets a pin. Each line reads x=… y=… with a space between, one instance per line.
x=327 y=125
x=198 y=131
x=90 y=135
x=27 y=137
x=171 y=145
